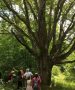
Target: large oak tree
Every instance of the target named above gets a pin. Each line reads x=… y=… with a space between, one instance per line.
x=45 y=28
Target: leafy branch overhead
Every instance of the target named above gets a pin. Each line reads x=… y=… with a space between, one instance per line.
x=44 y=27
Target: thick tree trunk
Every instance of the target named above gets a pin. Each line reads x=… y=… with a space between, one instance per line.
x=45 y=70
x=46 y=79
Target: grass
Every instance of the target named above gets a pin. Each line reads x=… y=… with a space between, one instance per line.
x=62 y=84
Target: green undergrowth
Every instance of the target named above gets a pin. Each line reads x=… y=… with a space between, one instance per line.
x=62 y=84
x=62 y=80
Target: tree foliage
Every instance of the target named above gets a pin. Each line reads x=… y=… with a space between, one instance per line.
x=13 y=54
x=44 y=27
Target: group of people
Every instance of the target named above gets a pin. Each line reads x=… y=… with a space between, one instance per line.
x=30 y=81
x=25 y=79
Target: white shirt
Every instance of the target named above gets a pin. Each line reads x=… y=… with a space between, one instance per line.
x=28 y=74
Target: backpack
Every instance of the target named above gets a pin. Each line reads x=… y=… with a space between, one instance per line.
x=35 y=85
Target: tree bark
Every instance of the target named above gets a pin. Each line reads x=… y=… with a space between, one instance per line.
x=45 y=70
x=46 y=79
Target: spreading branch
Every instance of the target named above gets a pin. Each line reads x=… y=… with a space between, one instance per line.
x=31 y=33
x=13 y=24
x=65 y=55
x=33 y=12
x=20 y=38
x=49 y=35
x=36 y=4
x=64 y=17
x=65 y=62
x=57 y=14
x=14 y=12
x=63 y=34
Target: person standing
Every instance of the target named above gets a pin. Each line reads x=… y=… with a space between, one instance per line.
x=36 y=82
x=19 y=80
x=29 y=84
x=27 y=75
x=22 y=75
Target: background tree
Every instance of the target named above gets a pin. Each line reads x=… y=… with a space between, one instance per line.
x=45 y=28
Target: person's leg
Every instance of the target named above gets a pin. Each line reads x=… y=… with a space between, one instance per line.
x=18 y=85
